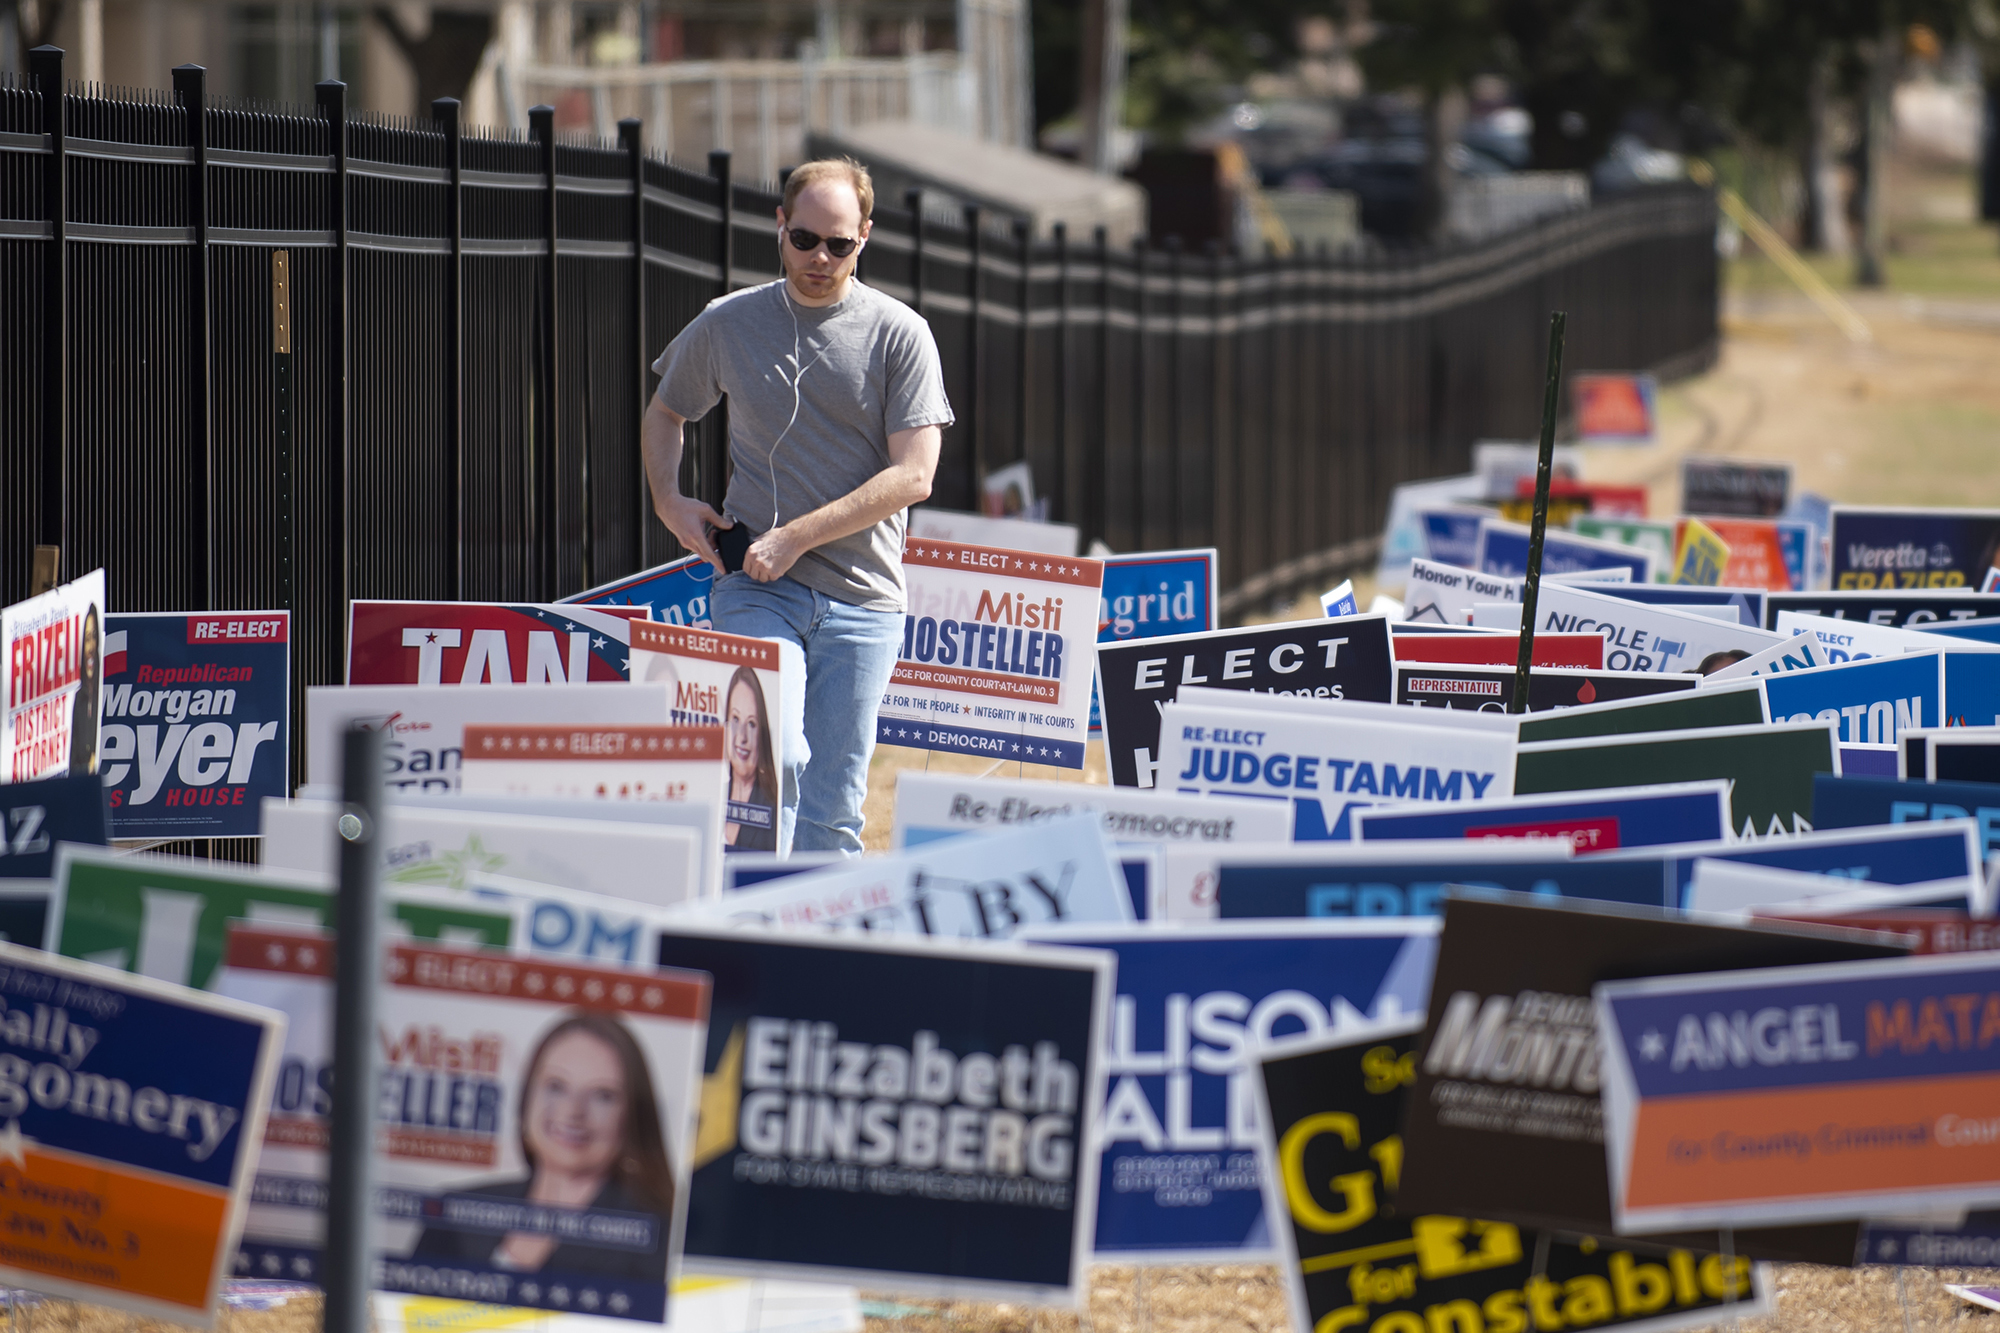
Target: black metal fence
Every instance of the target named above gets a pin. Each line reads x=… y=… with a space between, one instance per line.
x=258 y=357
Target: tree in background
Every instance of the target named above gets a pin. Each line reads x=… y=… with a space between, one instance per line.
x=1435 y=48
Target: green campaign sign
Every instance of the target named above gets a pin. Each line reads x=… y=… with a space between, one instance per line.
x=1770 y=768
x=167 y=917
x=1739 y=705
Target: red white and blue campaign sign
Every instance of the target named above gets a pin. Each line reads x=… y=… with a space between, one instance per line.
x=1847 y=802
x=1891 y=608
x=197 y=721
x=1152 y=594
x=475 y=643
x=1793 y=1094
x=996 y=654
x=675 y=593
x=1593 y=821
x=133 y=1110
x=35 y=816
x=1179 y=1181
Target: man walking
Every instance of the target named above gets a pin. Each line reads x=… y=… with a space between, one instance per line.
x=836 y=414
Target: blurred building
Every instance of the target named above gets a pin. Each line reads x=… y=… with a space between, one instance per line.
x=753 y=76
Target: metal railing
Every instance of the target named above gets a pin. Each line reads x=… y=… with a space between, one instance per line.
x=254 y=358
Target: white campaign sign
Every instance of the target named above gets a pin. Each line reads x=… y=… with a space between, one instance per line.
x=51 y=682
x=1638 y=637
x=932 y=805
x=655 y=864
x=1356 y=710
x=1013 y=534
x=1852 y=640
x=981 y=887
x=1445 y=594
x=1321 y=764
x=998 y=653
x=426 y=725
x=1799 y=652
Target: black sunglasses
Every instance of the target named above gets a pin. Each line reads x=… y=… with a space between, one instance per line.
x=840 y=247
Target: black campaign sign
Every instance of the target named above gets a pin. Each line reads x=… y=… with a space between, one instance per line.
x=895 y=1111
x=1347 y=658
x=1505 y=1118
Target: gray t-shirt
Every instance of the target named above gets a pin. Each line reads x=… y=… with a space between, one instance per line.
x=870 y=369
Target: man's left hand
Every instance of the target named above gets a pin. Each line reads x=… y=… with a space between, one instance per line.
x=771 y=556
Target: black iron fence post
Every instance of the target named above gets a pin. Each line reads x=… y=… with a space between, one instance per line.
x=1098 y=475
x=332 y=99
x=1173 y=382
x=631 y=138
x=45 y=66
x=1024 y=309
x=1059 y=384
x=542 y=456
x=1138 y=387
x=913 y=200
x=190 y=89
x=712 y=469
x=975 y=476
x=446 y=112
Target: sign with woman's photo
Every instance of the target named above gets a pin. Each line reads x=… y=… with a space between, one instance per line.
x=914 y=1114
x=734 y=682
x=533 y=1131
x=997 y=654
x=51 y=677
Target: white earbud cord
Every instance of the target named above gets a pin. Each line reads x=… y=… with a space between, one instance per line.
x=785 y=286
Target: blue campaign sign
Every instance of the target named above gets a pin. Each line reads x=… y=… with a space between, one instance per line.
x=197 y=721
x=1971 y=689
x=1178 y=1181
x=1503 y=552
x=1907 y=549
x=1971 y=631
x=35 y=816
x=1873 y=699
x=1973 y=1243
x=1593 y=821
x=676 y=592
x=1748 y=602
x=1851 y=802
x=1151 y=594
x=1451 y=536
x=1891 y=855
x=1354 y=883
x=1868 y=761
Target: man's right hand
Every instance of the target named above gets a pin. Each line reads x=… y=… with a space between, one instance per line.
x=689 y=521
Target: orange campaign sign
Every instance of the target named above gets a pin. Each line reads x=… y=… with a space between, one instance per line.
x=130 y=1111
x=1614 y=409
x=1797 y=1094
x=1763 y=553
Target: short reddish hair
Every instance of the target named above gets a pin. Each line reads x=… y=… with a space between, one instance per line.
x=831 y=168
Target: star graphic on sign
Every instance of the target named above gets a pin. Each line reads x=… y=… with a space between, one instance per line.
x=568 y=626
x=430 y=636
x=274 y=954
x=308 y=956
x=14 y=1144
x=598 y=642
x=1652 y=1045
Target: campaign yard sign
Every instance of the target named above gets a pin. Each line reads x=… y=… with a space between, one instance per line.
x=423 y=746
x=1444 y=594
x=906 y=1113
x=492 y=643
x=1900 y=855
x=1773 y=554
x=996 y=654
x=1898 y=609
x=578 y=762
x=1739 y=704
x=1748 y=603
x=1178 y=1181
x=1489 y=648
x=1871 y=701
x=930 y=806
x=985 y=888
x=737 y=683
x=51 y=679
x=1802 y=1093
x=1151 y=594
x=1320 y=764
x=36 y=816
x=1384 y=879
x=1770 y=768
x=134 y=1110
x=1594 y=821
x=1653 y=536
x=1320 y=659
x=1727 y=488
x=1849 y=802
x=1490 y=689
x=1614 y=408
x=1503 y=551
x=167 y=917
x=1451 y=535
x=197 y=721
x=1878 y=547
x=1329 y=1112
x=1643 y=638
x=1489 y=1133
x=675 y=593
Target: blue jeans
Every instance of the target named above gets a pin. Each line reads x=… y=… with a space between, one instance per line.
x=849 y=654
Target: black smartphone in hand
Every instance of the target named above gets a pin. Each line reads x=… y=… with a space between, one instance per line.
x=732 y=544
